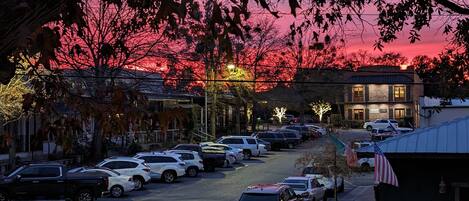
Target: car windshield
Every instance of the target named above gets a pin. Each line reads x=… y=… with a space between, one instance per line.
x=13 y=172
x=296 y=181
x=393 y=121
x=258 y=197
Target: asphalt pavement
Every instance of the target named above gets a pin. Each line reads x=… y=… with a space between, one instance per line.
x=226 y=184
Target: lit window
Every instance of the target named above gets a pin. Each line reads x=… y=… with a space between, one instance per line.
x=357 y=93
x=399 y=113
x=399 y=93
x=358 y=114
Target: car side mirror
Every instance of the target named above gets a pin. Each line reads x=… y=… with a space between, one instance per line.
x=17 y=177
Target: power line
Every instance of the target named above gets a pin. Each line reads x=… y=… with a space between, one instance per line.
x=234 y=81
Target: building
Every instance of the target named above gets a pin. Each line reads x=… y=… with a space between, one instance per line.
x=430 y=164
x=434 y=111
x=381 y=92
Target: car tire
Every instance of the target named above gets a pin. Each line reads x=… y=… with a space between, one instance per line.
x=4 y=196
x=168 y=176
x=116 y=191
x=365 y=167
x=226 y=164
x=369 y=128
x=192 y=171
x=247 y=154
x=85 y=195
x=138 y=182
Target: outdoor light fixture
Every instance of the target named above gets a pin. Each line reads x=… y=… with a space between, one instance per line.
x=231 y=66
x=442 y=186
x=404 y=66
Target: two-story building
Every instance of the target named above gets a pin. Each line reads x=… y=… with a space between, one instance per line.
x=381 y=92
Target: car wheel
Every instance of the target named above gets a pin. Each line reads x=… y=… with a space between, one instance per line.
x=247 y=154
x=369 y=128
x=117 y=191
x=138 y=181
x=3 y=196
x=226 y=163
x=192 y=171
x=365 y=167
x=168 y=176
x=85 y=195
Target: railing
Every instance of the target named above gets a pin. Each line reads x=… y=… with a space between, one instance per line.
x=201 y=135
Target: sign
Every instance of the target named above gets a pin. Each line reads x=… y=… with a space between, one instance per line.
x=374 y=111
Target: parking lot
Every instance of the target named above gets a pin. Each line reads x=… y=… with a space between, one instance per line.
x=227 y=183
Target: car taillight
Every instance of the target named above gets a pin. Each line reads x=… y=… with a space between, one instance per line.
x=146 y=169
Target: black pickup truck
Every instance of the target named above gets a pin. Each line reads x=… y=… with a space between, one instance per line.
x=51 y=181
x=211 y=158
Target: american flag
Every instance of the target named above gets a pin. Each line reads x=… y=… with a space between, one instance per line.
x=383 y=169
x=351 y=156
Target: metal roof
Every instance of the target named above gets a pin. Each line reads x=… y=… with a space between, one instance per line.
x=447 y=138
x=380 y=79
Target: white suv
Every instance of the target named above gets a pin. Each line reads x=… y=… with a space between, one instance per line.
x=380 y=123
x=164 y=166
x=249 y=145
x=136 y=168
x=194 y=164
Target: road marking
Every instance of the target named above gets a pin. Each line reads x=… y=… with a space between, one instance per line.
x=238 y=168
x=350 y=183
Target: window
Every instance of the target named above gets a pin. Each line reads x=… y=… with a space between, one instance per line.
x=112 y=165
x=233 y=141
x=357 y=93
x=399 y=113
x=166 y=159
x=251 y=141
x=186 y=156
x=399 y=93
x=35 y=172
x=358 y=114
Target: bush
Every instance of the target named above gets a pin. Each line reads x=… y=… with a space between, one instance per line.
x=134 y=148
x=336 y=120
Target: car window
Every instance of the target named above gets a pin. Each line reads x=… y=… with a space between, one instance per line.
x=258 y=197
x=120 y=165
x=34 y=172
x=232 y=141
x=278 y=135
x=166 y=159
x=111 y=165
x=394 y=121
x=290 y=135
x=149 y=159
x=99 y=172
x=186 y=156
x=251 y=141
x=381 y=121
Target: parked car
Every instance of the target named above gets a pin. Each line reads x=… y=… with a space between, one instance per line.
x=248 y=144
x=166 y=167
x=267 y=145
x=276 y=139
x=234 y=152
x=51 y=181
x=229 y=157
x=320 y=172
x=292 y=137
x=359 y=144
x=211 y=158
x=380 y=123
x=308 y=187
x=291 y=119
x=304 y=131
x=366 y=164
x=194 y=163
x=319 y=129
x=136 y=168
x=379 y=134
x=118 y=184
x=269 y=192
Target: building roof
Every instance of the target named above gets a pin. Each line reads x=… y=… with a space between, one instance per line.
x=380 y=79
x=447 y=138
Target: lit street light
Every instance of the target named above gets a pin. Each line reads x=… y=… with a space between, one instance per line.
x=231 y=66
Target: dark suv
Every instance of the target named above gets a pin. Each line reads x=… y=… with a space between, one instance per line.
x=277 y=140
x=269 y=192
x=292 y=138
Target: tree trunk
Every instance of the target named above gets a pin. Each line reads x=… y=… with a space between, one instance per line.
x=213 y=116
x=97 y=141
x=238 y=119
x=254 y=116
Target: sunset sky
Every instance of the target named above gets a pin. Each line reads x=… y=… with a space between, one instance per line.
x=433 y=41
